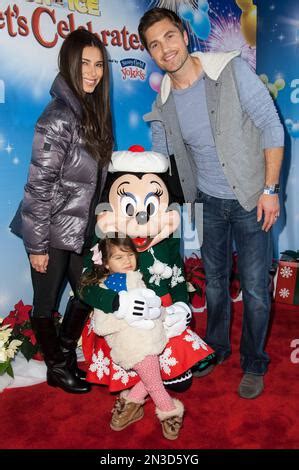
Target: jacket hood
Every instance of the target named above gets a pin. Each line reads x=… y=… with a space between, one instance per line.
x=212 y=63
x=62 y=91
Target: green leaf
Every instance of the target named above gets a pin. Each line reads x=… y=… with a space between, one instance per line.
x=27 y=349
x=9 y=370
x=3 y=367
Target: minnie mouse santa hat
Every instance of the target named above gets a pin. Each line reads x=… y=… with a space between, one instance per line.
x=137 y=160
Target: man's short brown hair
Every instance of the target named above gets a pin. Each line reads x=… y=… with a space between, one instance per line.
x=154 y=15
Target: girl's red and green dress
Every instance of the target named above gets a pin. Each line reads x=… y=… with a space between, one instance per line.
x=181 y=352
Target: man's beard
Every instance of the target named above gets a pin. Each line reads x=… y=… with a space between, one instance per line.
x=180 y=66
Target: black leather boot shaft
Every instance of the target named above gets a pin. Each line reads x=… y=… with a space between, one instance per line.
x=58 y=373
x=71 y=329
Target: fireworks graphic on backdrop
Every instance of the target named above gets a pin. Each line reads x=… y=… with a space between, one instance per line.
x=225 y=33
x=226 y=36
x=173 y=4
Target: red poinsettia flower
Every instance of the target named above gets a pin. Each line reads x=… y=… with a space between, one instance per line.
x=22 y=312
x=19 y=321
x=195 y=273
x=10 y=320
x=29 y=333
x=38 y=356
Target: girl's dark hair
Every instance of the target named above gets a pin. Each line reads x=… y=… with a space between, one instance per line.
x=99 y=272
x=154 y=15
x=96 y=121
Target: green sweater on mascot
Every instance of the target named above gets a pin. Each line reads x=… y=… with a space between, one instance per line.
x=138 y=206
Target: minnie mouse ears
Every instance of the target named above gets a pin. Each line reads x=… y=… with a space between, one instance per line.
x=137 y=160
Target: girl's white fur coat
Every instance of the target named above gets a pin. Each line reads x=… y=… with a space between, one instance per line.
x=129 y=345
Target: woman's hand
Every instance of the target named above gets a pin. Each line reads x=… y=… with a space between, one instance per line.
x=39 y=262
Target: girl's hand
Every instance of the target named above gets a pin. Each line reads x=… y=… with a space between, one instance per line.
x=39 y=262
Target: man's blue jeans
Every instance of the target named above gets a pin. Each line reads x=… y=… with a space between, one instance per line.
x=223 y=221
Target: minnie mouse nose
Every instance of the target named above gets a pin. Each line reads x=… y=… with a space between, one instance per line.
x=142 y=217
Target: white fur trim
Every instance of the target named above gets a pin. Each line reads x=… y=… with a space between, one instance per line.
x=212 y=63
x=131 y=345
x=134 y=279
x=138 y=162
x=106 y=323
x=178 y=411
x=124 y=393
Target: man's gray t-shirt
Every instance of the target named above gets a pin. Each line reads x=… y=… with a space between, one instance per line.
x=197 y=134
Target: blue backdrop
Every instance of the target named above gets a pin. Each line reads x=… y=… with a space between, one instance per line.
x=278 y=65
x=31 y=33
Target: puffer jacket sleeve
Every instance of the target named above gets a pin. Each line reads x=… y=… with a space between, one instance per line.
x=51 y=143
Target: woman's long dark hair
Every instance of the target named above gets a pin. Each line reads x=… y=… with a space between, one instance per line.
x=96 y=122
x=99 y=272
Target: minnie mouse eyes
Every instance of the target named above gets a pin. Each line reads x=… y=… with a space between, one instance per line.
x=128 y=206
x=152 y=206
x=129 y=209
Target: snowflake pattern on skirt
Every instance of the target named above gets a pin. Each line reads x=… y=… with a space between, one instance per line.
x=196 y=340
x=179 y=355
x=100 y=364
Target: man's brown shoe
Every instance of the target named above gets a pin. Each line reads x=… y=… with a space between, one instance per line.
x=251 y=386
x=125 y=413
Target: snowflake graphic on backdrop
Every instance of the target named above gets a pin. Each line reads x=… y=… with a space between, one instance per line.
x=284 y=293
x=196 y=341
x=100 y=364
x=286 y=272
x=122 y=374
x=166 y=361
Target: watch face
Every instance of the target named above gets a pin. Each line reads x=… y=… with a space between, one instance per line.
x=273 y=189
x=276 y=188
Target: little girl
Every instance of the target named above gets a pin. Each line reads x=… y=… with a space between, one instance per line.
x=133 y=346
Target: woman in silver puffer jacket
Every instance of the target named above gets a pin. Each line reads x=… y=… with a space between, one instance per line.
x=71 y=150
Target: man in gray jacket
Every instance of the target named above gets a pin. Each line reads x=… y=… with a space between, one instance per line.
x=217 y=122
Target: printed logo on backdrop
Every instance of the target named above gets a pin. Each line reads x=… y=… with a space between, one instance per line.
x=133 y=69
x=87 y=7
x=45 y=24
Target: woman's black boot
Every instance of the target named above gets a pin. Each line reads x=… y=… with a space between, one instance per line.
x=58 y=372
x=70 y=331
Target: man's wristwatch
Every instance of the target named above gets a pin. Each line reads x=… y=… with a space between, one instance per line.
x=273 y=189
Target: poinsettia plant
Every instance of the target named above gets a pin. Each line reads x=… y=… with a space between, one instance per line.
x=8 y=349
x=195 y=277
x=18 y=320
